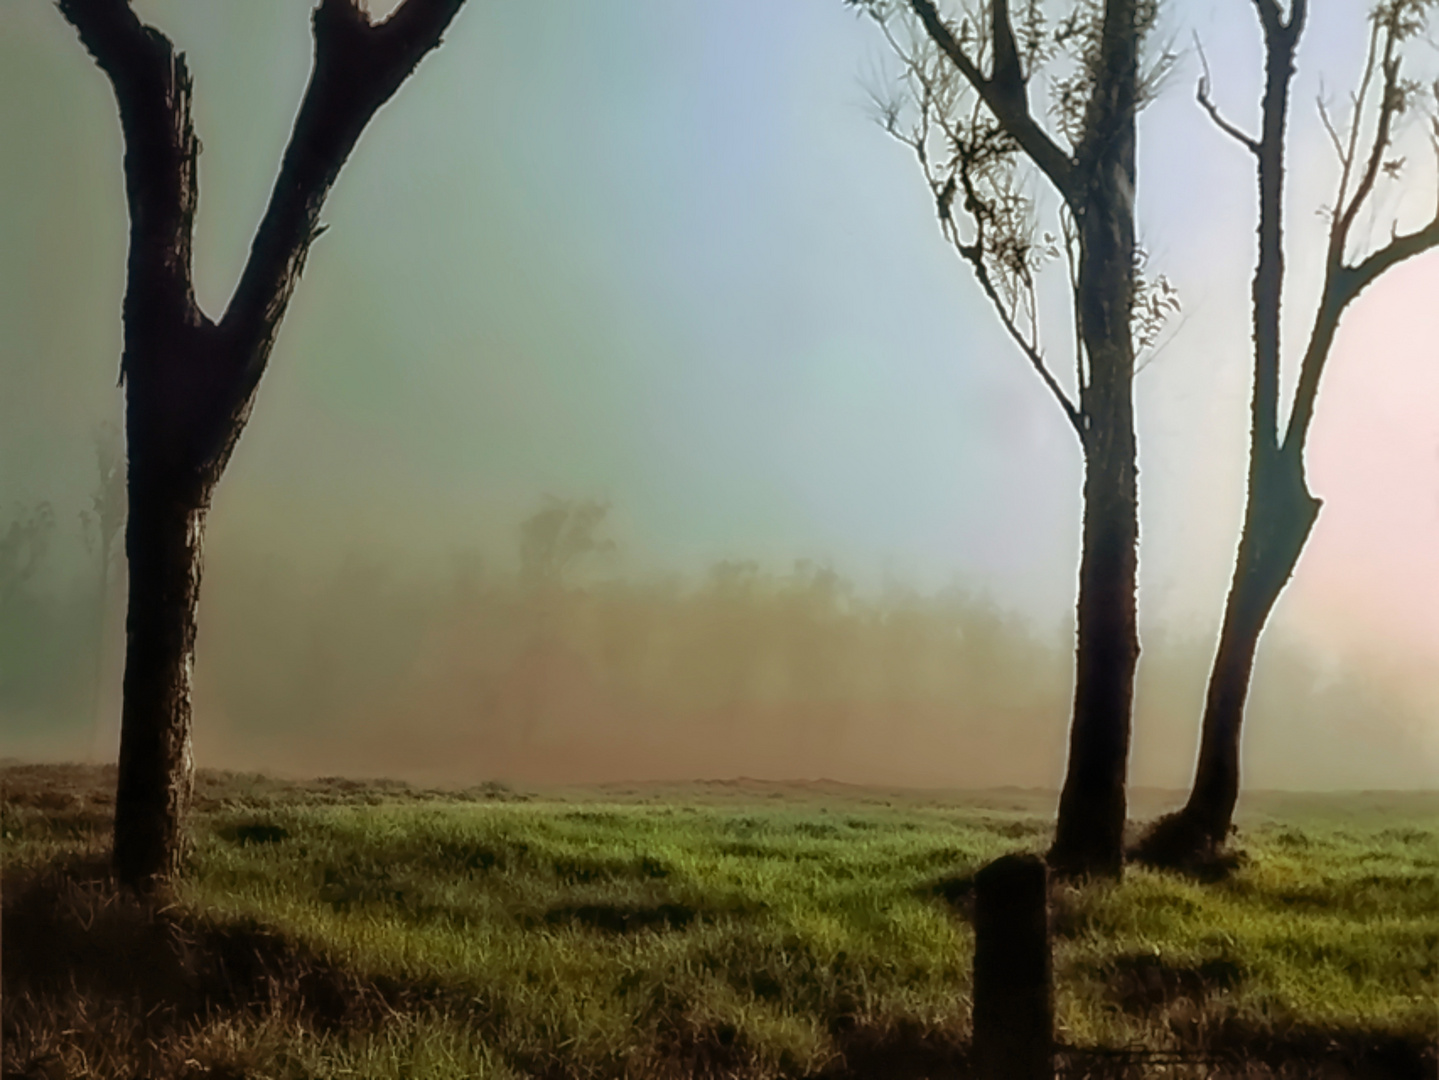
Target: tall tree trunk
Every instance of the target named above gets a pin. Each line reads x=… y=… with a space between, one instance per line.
x=1280 y=511
x=1089 y=832
x=1097 y=182
x=163 y=541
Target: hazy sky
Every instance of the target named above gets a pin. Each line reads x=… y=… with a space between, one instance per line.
x=658 y=252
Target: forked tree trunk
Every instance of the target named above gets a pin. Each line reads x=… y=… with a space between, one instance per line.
x=1280 y=511
x=189 y=381
x=163 y=541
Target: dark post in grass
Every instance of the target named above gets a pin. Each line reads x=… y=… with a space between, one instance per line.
x=1013 y=1000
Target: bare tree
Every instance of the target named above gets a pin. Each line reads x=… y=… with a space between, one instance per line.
x=974 y=127
x=190 y=381
x=1280 y=511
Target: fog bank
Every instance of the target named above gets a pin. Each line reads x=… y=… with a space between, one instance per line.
x=555 y=666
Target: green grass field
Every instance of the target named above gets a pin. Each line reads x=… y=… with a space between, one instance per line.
x=334 y=929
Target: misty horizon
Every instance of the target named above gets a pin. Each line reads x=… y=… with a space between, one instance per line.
x=552 y=666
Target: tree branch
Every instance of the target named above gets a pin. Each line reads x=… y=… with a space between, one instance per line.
x=1328 y=123
x=206 y=374
x=1342 y=282
x=1399 y=248
x=1006 y=74
x=124 y=47
x=152 y=92
x=1070 y=232
x=974 y=255
x=1388 y=103
x=944 y=190
x=1004 y=92
x=1341 y=286
x=1201 y=94
x=1338 y=232
x=1280 y=42
x=358 y=66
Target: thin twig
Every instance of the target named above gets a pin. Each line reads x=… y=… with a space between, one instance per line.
x=1201 y=94
x=1328 y=123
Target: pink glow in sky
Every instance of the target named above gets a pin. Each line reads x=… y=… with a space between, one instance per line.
x=1371 y=573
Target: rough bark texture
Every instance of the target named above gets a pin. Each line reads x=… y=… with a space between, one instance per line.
x=163 y=542
x=1089 y=831
x=190 y=382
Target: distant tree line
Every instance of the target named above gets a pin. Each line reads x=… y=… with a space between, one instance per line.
x=796 y=659
x=486 y=669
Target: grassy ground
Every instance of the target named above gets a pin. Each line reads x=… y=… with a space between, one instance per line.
x=335 y=929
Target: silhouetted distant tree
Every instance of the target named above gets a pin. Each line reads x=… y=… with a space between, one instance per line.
x=190 y=381
x=23 y=547
x=968 y=116
x=560 y=534
x=1280 y=510
x=553 y=541
x=27 y=631
x=102 y=524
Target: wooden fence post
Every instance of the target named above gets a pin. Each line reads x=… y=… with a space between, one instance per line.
x=1013 y=995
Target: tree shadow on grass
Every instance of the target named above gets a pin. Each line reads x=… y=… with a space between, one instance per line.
x=623 y=918
x=957 y=892
x=1242 y=1052
x=96 y=972
x=1143 y=983
x=905 y=1051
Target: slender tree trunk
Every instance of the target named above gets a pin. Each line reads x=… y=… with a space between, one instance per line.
x=163 y=541
x=1281 y=511
x=1278 y=520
